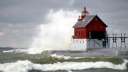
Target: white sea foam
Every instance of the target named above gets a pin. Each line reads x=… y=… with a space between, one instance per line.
x=56 y=33
x=60 y=56
x=15 y=50
x=65 y=57
x=19 y=66
x=24 y=66
x=35 y=50
x=5 y=51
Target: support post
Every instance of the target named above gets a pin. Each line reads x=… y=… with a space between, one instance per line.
x=123 y=40
x=114 y=40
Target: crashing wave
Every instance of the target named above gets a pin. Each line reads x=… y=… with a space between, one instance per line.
x=24 y=66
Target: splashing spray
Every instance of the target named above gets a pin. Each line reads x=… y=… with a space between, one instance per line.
x=56 y=34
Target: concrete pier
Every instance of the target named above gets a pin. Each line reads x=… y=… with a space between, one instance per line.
x=92 y=52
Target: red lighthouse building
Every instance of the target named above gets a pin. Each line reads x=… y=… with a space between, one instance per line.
x=89 y=32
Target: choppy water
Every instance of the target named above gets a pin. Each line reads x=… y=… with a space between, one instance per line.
x=14 y=61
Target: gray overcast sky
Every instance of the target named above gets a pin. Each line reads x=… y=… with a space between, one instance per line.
x=19 y=18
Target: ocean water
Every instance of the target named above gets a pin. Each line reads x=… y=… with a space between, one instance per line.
x=13 y=60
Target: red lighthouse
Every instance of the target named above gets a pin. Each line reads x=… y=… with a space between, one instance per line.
x=89 y=32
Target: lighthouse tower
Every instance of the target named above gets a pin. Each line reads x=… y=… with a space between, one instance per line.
x=89 y=33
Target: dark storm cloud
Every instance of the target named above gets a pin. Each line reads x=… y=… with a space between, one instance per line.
x=28 y=11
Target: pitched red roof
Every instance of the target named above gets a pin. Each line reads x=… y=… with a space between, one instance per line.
x=86 y=21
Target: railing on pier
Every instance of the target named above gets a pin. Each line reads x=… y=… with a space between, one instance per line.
x=114 y=38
